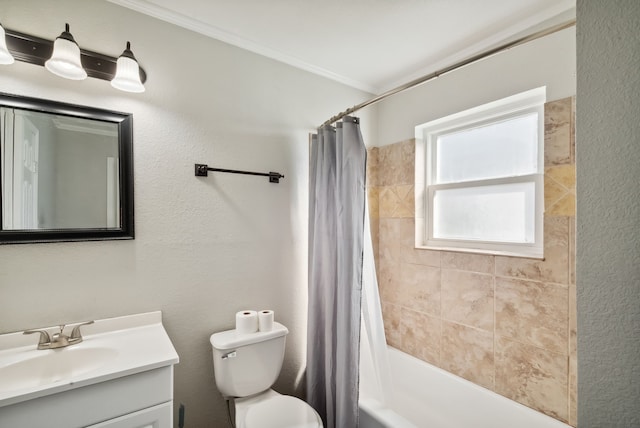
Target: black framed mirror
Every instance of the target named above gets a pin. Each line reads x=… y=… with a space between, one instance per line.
x=66 y=172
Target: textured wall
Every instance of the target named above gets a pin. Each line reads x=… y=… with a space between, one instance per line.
x=549 y=61
x=608 y=232
x=204 y=247
x=505 y=323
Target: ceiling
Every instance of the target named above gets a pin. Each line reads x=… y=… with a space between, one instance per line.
x=372 y=45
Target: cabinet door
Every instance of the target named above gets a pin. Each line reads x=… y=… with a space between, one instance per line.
x=160 y=416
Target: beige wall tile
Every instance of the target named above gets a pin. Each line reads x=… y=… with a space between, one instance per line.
x=373 y=195
x=533 y=312
x=396 y=202
x=555 y=266
x=406 y=168
x=573 y=357
x=467 y=261
x=420 y=335
x=553 y=192
x=557 y=132
x=405 y=201
x=388 y=201
x=572 y=250
x=559 y=190
x=573 y=321
x=565 y=175
x=374 y=224
x=391 y=315
x=374 y=219
x=420 y=256
x=468 y=353
x=388 y=262
x=372 y=167
x=396 y=164
x=389 y=280
x=533 y=377
x=467 y=298
x=573 y=391
x=573 y=130
x=409 y=253
x=420 y=288
x=390 y=239
x=566 y=206
x=388 y=165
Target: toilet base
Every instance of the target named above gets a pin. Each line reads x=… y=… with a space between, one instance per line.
x=307 y=417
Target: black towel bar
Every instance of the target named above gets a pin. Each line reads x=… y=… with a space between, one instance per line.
x=202 y=170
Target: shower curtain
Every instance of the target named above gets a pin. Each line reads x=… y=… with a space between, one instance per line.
x=337 y=196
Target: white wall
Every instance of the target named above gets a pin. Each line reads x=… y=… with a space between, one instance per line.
x=205 y=247
x=608 y=232
x=549 y=61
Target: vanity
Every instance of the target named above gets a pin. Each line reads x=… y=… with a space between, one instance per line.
x=120 y=375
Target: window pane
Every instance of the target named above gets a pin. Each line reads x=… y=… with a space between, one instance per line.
x=502 y=149
x=499 y=213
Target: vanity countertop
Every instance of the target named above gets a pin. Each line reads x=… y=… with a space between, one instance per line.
x=112 y=348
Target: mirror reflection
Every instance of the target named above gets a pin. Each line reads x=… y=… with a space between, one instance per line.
x=66 y=172
x=59 y=172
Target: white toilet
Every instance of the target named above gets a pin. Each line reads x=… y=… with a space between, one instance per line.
x=246 y=366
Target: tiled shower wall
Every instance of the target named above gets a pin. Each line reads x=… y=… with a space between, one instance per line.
x=505 y=323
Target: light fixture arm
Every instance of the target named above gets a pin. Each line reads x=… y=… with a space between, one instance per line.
x=36 y=50
x=67 y=35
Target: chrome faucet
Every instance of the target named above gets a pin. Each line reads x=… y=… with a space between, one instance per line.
x=59 y=339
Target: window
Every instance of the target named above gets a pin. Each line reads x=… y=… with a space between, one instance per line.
x=483 y=178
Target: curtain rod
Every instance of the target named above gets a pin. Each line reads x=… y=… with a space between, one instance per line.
x=457 y=65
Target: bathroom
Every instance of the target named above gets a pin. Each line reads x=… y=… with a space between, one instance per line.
x=208 y=247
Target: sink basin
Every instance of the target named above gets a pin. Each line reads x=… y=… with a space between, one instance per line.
x=47 y=367
x=112 y=349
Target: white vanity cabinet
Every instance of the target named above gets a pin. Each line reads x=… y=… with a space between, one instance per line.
x=133 y=389
x=125 y=402
x=153 y=417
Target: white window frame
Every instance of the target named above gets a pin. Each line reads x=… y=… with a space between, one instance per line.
x=426 y=137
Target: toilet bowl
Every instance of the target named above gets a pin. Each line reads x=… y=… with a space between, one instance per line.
x=273 y=410
x=245 y=367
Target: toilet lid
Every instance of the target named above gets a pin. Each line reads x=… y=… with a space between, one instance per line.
x=282 y=411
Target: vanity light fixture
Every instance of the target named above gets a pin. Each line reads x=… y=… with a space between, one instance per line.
x=5 y=55
x=65 y=58
x=127 y=72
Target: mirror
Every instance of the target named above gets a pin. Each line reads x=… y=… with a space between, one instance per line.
x=66 y=172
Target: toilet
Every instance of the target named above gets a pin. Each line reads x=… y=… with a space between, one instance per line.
x=245 y=367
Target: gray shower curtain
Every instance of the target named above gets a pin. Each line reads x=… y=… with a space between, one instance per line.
x=337 y=195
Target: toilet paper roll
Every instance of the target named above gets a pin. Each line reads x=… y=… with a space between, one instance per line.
x=265 y=320
x=246 y=322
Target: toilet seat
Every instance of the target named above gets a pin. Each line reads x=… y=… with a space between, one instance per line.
x=282 y=411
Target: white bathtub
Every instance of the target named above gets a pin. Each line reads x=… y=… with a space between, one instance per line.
x=425 y=396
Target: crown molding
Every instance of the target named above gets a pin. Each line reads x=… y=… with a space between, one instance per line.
x=217 y=33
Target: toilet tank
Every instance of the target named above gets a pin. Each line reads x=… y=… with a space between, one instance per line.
x=246 y=364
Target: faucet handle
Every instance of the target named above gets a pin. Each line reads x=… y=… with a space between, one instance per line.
x=76 y=335
x=60 y=333
x=45 y=339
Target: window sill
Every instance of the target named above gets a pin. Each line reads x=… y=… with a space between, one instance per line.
x=480 y=251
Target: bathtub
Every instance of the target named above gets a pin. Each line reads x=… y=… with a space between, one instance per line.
x=425 y=396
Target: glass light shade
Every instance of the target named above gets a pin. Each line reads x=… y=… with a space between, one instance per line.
x=65 y=60
x=127 y=76
x=5 y=55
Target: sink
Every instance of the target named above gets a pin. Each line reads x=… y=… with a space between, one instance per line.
x=113 y=348
x=124 y=361
x=47 y=367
